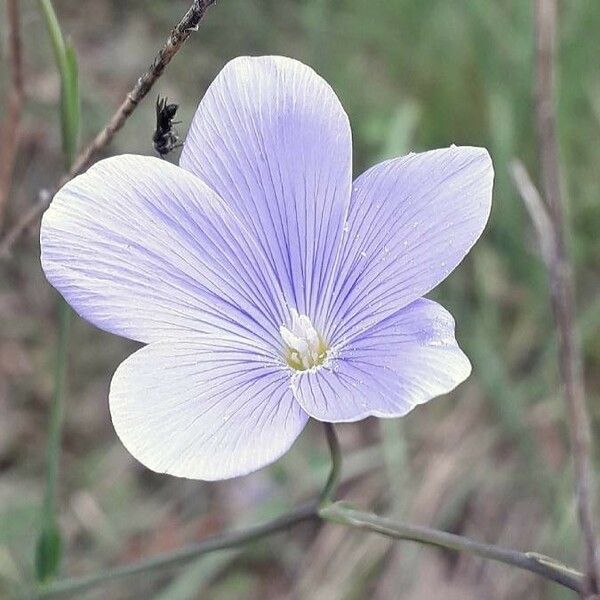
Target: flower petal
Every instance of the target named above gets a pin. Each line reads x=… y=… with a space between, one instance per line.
x=144 y=249
x=204 y=408
x=411 y=222
x=405 y=360
x=273 y=140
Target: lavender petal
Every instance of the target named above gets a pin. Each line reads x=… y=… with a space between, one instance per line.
x=405 y=360
x=273 y=140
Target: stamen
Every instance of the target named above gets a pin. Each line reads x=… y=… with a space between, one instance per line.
x=305 y=347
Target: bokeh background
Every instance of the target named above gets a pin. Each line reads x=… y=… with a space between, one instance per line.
x=489 y=461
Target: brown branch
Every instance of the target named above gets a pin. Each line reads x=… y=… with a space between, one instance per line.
x=16 y=95
x=175 y=41
x=561 y=282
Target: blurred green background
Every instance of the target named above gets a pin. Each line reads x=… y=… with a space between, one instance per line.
x=489 y=461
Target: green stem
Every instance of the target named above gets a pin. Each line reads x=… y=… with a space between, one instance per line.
x=547 y=567
x=336 y=465
x=66 y=63
x=55 y=33
x=48 y=549
x=57 y=411
x=69 y=587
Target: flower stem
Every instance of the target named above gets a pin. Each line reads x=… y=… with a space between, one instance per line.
x=327 y=495
x=545 y=566
x=48 y=550
x=57 y=408
x=70 y=587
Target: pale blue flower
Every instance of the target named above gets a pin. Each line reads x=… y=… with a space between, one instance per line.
x=267 y=285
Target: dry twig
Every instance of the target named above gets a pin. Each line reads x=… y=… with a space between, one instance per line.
x=537 y=210
x=12 y=119
x=340 y=513
x=561 y=282
x=177 y=37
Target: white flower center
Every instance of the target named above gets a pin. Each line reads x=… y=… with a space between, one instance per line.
x=305 y=348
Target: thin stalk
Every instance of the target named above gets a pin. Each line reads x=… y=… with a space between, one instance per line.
x=56 y=412
x=562 y=287
x=48 y=550
x=327 y=495
x=542 y=565
x=70 y=587
x=55 y=33
x=533 y=562
x=66 y=63
x=11 y=123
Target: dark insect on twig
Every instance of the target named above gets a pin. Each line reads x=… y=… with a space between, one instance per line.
x=165 y=138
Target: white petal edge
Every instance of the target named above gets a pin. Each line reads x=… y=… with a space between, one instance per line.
x=206 y=409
